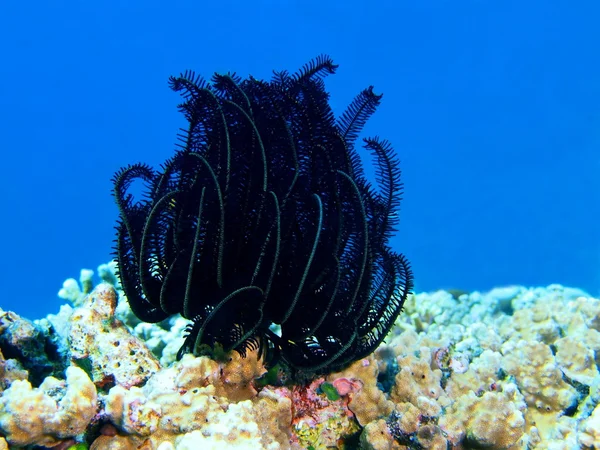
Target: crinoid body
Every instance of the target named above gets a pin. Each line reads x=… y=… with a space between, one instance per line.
x=262 y=228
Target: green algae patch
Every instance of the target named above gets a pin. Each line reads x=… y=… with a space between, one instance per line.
x=330 y=391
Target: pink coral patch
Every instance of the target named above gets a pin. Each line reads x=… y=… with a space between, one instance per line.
x=344 y=386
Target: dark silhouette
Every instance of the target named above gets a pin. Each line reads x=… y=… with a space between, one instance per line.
x=262 y=229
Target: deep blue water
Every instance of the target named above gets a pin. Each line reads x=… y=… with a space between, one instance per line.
x=493 y=108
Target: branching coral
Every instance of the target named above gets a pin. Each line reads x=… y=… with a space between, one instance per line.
x=264 y=218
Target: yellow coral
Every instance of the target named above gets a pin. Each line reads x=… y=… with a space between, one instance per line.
x=234 y=428
x=369 y=403
x=376 y=436
x=493 y=420
x=274 y=412
x=539 y=379
x=326 y=432
x=130 y=411
x=36 y=416
x=590 y=430
x=481 y=376
x=238 y=375
x=407 y=418
x=196 y=372
x=576 y=360
x=585 y=314
x=117 y=443
x=96 y=337
x=419 y=384
x=532 y=324
x=186 y=405
x=10 y=370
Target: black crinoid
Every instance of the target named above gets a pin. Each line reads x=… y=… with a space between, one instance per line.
x=262 y=228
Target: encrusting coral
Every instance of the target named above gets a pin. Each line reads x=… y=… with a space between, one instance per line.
x=377 y=436
x=26 y=346
x=46 y=415
x=541 y=379
x=101 y=344
x=486 y=401
x=366 y=401
x=190 y=397
x=10 y=370
x=590 y=435
x=493 y=420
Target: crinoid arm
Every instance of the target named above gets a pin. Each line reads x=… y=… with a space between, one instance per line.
x=263 y=219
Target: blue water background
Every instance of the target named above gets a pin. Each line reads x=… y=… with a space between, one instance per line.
x=493 y=108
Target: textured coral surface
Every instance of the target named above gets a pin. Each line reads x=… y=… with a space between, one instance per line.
x=514 y=368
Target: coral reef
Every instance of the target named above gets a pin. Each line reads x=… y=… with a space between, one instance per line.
x=493 y=420
x=10 y=370
x=101 y=344
x=188 y=403
x=366 y=401
x=28 y=346
x=439 y=381
x=54 y=411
